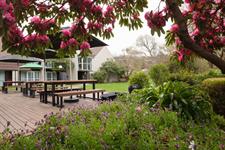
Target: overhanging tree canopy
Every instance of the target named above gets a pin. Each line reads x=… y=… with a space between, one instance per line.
x=199 y=25
x=40 y=18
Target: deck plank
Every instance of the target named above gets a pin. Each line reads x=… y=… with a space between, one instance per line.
x=20 y=110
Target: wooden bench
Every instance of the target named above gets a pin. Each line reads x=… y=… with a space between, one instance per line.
x=109 y=96
x=49 y=92
x=40 y=89
x=59 y=96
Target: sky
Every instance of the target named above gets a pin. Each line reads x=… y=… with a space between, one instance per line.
x=124 y=38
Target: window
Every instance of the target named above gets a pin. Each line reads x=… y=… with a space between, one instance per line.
x=51 y=76
x=30 y=76
x=84 y=63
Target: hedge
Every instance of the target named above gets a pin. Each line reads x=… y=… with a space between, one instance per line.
x=216 y=90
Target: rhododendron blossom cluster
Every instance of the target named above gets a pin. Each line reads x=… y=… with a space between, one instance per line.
x=84 y=45
x=42 y=25
x=155 y=20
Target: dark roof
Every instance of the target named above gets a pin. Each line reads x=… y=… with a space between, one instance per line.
x=18 y=58
x=48 y=54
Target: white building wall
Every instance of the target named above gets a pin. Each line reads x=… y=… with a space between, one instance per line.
x=100 y=58
x=75 y=68
x=97 y=61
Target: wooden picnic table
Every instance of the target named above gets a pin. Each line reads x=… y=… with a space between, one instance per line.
x=53 y=84
x=28 y=87
x=7 y=83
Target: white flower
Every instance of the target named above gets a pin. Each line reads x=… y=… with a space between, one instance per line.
x=192 y=145
x=52 y=128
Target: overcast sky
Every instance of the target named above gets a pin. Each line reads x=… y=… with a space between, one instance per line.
x=124 y=38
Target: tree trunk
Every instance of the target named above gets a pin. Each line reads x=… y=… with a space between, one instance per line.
x=188 y=42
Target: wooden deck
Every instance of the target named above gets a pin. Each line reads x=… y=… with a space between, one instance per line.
x=23 y=112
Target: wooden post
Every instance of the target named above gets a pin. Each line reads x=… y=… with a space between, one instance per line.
x=45 y=93
x=53 y=92
x=93 y=87
x=26 y=89
x=84 y=88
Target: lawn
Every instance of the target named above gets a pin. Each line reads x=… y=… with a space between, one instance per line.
x=111 y=87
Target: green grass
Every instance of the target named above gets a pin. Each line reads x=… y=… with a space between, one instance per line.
x=111 y=87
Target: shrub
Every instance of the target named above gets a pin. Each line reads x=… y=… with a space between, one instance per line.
x=139 y=78
x=99 y=76
x=194 y=78
x=112 y=70
x=150 y=95
x=191 y=102
x=184 y=76
x=209 y=74
x=159 y=73
x=219 y=121
x=216 y=90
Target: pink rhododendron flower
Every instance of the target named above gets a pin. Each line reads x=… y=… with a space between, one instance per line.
x=109 y=9
x=63 y=45
x=223 y=40
x=185 y=13
x=190 y=7
x=9 y=18
x=66 y=32
x=211 y=42
x=217 y=1
x=195 y=32
x=121 y=3
x=155 y=19
x=30 y=38
x=188 y=52
x=135 y=16
x=96 y=9
x=43 y=38
x=84 y=45
x=42 y=24
x=25 y=2
x=3 y=4
x=51 y=21
x=42 y=7
x=180 y=55
x=35 y=20
x=174 y=28
x=87 y=2
x=72 y=42
x=15 y=34
x=178 y=41
x=40 y=38
x=109 y=30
